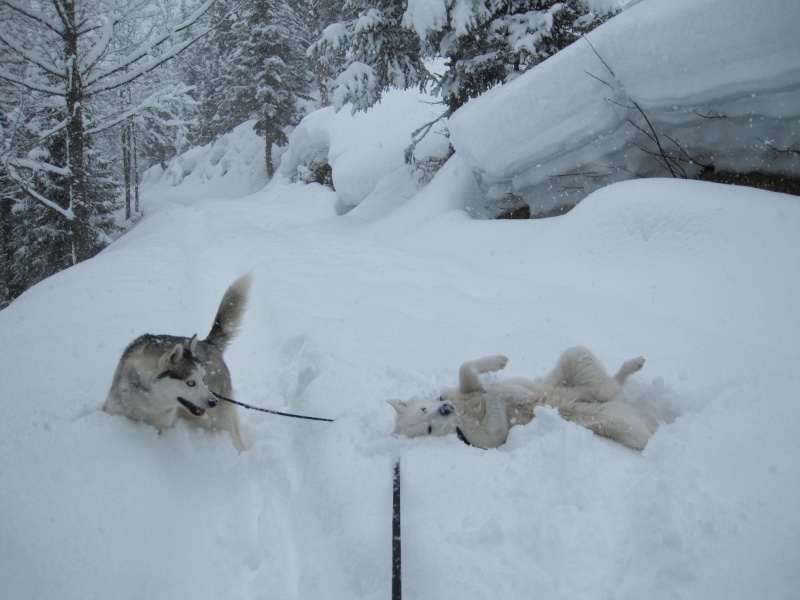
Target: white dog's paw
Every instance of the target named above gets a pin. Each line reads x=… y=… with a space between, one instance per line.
x=633 y=365
x=629 y=367
x=490 y=364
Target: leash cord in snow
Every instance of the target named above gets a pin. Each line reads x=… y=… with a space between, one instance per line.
x=397 y=587
x=267 y=410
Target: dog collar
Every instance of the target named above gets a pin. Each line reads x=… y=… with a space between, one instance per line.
x=464 y=439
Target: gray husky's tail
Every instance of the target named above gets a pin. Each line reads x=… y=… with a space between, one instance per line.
x=229 y=315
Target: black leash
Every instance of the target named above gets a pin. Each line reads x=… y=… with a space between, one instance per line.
x=397 y=583
x=267 y=410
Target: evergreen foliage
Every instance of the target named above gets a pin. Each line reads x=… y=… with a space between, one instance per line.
x=484 y=42
x=256 y=64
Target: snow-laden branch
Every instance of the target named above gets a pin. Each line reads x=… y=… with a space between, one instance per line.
x=29 y=11
x=31 y=57
x=31 y=85
x=155 y=101
x=130 y=76
x=357 y=84
x=35 y=165
x=61 y=126
x=14 y=175
x=145 y=50
x=100 y=47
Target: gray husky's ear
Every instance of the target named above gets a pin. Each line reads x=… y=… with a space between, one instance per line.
x=399 y=405
x=172 y=357
x=193 y=345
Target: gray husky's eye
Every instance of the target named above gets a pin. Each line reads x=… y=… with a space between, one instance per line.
x=191 y=383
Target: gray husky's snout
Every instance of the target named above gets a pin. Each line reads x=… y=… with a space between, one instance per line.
x=212 y=402
x=446 y=409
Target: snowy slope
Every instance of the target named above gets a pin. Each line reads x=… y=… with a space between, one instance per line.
x=718 y=81
x=386 y=302
x=701 y=279
x=230 y=167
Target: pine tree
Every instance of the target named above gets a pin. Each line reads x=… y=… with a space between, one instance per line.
x=485 y=43
x=42 y=245
x=379 y=52
x=255 y=65
x=502 y=39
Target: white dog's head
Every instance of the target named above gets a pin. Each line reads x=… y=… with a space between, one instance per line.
x=423 y=416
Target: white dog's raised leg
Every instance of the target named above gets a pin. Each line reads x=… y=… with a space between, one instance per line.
x=469 y=371
x=629 y=367
x=492 y=430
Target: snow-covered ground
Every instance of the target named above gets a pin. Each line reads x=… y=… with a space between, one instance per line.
x=386 y=302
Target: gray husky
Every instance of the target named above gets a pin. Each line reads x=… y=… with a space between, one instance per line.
x=162 y=377
x=578 y=387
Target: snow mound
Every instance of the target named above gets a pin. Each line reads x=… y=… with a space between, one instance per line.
x=363 y=148
x=718 y=83
x=230 y=167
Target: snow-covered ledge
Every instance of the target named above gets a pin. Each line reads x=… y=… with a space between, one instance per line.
x=714 y=82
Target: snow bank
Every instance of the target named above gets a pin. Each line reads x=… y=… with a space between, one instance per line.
x=719 y=81
x=230 y=167
x=364 y=147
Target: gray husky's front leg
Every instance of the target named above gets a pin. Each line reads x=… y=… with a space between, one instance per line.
x=469 y=371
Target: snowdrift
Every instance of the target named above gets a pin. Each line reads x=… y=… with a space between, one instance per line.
x=230 y=167
x=717 y=82
x=701 y=279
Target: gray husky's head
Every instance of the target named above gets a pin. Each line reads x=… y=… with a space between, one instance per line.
x=423 y=416
x=180 y=377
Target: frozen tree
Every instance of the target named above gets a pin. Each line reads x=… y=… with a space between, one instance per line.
x=67 y=61
x=488 y=43
x=257 y=65
x=318 y=14
x=378 y=52
x=484 y=42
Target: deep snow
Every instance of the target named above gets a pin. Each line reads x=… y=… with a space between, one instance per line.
x=717 y=81
x=386 y=302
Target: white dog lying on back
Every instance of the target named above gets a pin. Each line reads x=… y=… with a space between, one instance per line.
x=578 y=387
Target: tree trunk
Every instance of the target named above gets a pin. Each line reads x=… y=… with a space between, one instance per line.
x=82 y=247
x=126 y=168
x=135 y=173
x=268 y=154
